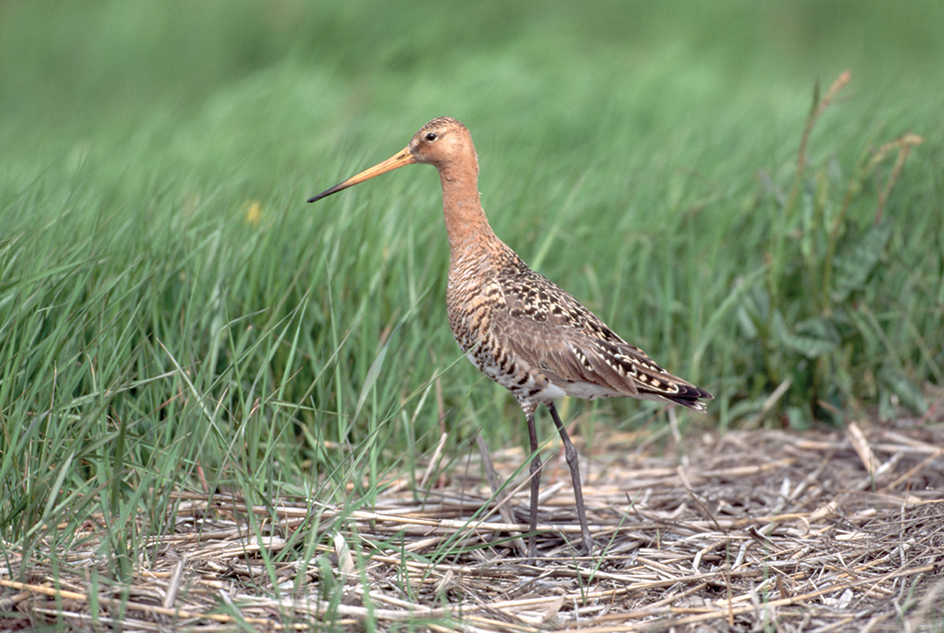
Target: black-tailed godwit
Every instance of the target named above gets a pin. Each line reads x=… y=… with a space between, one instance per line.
x=520 y=329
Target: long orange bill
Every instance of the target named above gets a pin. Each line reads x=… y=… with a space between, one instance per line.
x=400 y=159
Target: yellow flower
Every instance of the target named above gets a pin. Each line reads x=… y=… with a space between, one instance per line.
x=254 y=213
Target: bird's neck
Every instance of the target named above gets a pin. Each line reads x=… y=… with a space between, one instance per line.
x=466 y=224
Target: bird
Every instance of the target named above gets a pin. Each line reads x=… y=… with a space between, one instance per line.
x=516 y=326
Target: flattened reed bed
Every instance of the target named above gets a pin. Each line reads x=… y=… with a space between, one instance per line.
x=826 y=530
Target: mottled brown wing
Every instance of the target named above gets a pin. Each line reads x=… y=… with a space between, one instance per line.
x=547 y=329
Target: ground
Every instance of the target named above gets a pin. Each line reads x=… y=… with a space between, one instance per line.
x=827 y=530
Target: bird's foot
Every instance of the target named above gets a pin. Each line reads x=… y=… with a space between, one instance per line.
x=587 y=546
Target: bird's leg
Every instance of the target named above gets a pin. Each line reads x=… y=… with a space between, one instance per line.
x=570 y=454
x=535 y=485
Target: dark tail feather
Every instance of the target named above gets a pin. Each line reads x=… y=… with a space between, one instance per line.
x=690 y=398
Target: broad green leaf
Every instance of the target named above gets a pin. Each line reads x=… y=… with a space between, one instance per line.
x=854 y=266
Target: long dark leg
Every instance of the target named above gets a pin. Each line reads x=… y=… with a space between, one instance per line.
x=570 y=454
x=535 y=486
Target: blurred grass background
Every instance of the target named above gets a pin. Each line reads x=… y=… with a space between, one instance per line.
x=174 y=317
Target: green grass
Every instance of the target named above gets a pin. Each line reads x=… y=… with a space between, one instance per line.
x=158 y=337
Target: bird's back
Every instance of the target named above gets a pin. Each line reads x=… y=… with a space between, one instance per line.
x=535 y=339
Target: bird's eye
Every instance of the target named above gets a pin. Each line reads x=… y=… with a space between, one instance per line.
x=431 y=136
